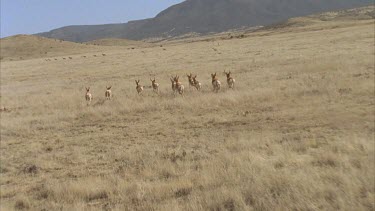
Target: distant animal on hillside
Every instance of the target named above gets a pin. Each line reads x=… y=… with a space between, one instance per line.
x=215 y=83
x=2 y=108
x=108 y=93
x=155 y=86
x=139 y=88
x=230 y=79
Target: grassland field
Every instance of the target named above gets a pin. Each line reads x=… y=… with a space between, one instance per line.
x=296 y=133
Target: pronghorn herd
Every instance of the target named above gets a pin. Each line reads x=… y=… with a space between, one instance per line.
x=177 y=86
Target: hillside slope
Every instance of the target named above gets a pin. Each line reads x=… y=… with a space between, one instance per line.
x=204 y=16
x=119 y=42
x=21 y=47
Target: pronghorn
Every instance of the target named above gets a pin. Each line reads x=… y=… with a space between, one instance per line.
x=190 y=79
x=88 y=95
x=197 y=84
x=230 y=80
x=215 y=83
x=138 y=87
x=155 y=86
x=174 y=89
x=108 y=93
x=180 y=88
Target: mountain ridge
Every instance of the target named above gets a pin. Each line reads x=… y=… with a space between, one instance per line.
x=203 y=16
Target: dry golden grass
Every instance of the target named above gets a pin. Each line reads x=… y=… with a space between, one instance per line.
x=297 y=132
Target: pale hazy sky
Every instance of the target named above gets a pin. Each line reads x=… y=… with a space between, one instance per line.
x=33 y=16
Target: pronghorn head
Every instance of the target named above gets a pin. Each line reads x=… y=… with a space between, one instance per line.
x=153 y=80
x=227 y=74
x=87 y=89
x=176 y=78
x=137 y=82
x=213 y=76
x=108 y=88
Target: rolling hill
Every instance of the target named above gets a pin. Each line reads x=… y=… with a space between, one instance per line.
x=21 y=47
x=204 y=16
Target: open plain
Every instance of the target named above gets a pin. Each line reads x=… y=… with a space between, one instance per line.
x=296 y=132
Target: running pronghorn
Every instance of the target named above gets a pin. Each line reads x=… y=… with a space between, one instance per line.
x=215 y=83
x=174 y=89
x=230 y=80
x=88 y=95
x=138 y=87
x=180 y=88
x=155 y=86
x=108 y=93
x=197 y=84
x=190 y=79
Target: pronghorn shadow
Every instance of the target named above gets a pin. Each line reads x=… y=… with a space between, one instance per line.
x=99 y=102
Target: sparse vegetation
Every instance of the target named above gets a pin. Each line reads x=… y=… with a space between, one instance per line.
x=296 y=133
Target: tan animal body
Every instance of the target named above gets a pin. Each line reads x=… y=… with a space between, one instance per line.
x=216 y=84
x=138 y=87
x=230 y=79
x=190 y=80
x=88 y=95
x=173 y=82
x=108 y=93
x=155 y=86
x=180 y=88
x=197 y=84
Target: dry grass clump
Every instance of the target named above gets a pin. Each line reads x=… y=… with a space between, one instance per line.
x=296 y=132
